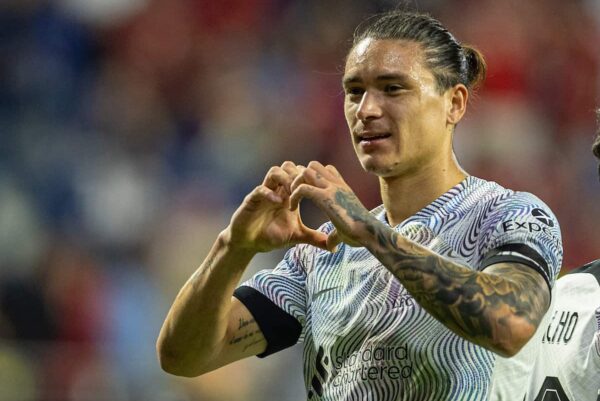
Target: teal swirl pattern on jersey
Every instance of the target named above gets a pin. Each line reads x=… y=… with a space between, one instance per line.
x=365 y=338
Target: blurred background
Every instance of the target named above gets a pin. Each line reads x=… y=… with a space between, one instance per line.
x=131 y=129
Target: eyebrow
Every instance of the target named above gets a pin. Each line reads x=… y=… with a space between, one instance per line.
x=352 y=79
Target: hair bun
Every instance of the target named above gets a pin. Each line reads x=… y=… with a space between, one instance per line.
x=475 y=66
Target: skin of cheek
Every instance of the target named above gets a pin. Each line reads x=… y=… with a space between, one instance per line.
x=418 y=122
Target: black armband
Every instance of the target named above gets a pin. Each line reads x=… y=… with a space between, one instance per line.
x=518 y=253
x=281 y=330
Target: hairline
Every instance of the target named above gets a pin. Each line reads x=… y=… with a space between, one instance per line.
x=438 y=76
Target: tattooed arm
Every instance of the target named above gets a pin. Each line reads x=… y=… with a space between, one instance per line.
x=206 y=328
x=499 y=308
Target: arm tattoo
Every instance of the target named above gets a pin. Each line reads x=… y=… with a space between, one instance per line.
x=478 y=306
x=250 y=335
x=243 y=323
x=203 y=270
x=238 y=338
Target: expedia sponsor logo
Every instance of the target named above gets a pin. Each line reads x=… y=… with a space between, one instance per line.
x=531 y=226
x=543 y=217
x=544 y=223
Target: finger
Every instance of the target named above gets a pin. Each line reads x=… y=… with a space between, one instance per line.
x=319 y=168
x=299 y=179
x=313 y=237
x=329 y=172
x=315 y=165
x=333 y=240
x=302 y=191
x=262 y=194
x=311 y=177
x=292 y=171
x=277 y=177
x=333 y=170
x=291 y=168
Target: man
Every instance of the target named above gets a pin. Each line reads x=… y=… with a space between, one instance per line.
x=568 y=365
x=424 y=298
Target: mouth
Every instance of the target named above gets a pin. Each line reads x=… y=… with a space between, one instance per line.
x=371 y=137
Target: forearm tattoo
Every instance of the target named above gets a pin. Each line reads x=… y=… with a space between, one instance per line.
x=204 y=270
x=478 y=306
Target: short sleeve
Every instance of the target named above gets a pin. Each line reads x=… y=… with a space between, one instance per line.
x=277 y=301
x=521 y=229
x=593 y=269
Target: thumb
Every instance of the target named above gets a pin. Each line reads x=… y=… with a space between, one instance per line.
x=312 y=237
x=333 y=240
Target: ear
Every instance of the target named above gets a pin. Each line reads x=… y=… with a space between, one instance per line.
x=456 y=101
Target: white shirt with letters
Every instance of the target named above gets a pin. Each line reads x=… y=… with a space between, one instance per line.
x=568 y=365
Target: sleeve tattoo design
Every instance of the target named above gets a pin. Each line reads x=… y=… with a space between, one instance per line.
x=475 y=305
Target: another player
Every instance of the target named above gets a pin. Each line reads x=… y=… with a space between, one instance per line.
x=568 y=366
x=428 y=296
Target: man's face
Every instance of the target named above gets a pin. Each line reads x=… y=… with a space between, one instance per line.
x=397 y=117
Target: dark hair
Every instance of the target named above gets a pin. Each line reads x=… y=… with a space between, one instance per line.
x=596 y=145
x=450 y=62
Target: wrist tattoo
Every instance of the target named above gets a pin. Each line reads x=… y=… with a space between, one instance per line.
x=203 y=270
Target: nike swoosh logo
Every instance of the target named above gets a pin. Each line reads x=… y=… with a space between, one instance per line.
x=319 y=293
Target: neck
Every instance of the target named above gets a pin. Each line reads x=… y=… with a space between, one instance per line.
x=405 y=194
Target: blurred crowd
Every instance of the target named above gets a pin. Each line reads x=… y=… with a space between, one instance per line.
x=131 y=129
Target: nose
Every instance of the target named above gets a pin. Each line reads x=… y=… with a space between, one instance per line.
x=369 y=107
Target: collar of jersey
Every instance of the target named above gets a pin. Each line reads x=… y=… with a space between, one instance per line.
x=433 y=207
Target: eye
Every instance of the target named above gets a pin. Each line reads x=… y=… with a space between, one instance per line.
x=393 y=88
x=353 y=91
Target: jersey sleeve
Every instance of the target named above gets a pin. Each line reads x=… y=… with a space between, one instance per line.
x=593 y=268
x=521 y=229
x=277 y=301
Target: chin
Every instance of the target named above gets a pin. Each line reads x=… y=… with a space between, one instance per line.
x=380 y=169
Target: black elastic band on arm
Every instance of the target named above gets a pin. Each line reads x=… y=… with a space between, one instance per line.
x=518 y=253
x=281 y=330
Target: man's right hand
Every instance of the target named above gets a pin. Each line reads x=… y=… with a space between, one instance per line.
x=264 y=221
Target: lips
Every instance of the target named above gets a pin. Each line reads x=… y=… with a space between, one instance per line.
x=372 y=136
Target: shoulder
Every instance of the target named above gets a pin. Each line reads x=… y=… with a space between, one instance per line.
x=579 y=290
x=484 y=196
x=498 y=202
x=592 y=268
x=519 y=222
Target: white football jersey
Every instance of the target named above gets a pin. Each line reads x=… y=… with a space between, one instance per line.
x=568 y=365
x=367 y=339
